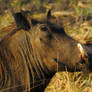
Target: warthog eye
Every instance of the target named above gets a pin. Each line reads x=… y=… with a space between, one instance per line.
x=44 y=28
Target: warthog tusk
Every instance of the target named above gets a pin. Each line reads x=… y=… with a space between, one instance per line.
x=83 y=52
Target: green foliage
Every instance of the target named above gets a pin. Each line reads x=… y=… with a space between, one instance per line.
x=73 y=2
x=77 y=10
x=1 y=0
x=16 y=4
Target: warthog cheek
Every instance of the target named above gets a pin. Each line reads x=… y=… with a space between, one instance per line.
x=83 y=53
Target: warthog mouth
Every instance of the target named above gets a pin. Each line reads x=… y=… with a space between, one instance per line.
x=84 y=54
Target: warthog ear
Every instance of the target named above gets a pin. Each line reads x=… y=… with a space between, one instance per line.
x=50 y=17
x=49 y=13
x=21 y=21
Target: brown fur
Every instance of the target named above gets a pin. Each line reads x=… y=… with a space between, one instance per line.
x=28 y=58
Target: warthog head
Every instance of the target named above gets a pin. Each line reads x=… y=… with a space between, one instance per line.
x=55 y=47
x=51 y=44
x=35 y=50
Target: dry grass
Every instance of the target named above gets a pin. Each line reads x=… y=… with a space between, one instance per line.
x=81 y=32
x=70 y=82
x=6 y=19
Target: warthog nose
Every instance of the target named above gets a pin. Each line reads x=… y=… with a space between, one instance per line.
x=83 y=53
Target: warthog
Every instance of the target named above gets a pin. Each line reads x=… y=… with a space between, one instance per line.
x=31 y=55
